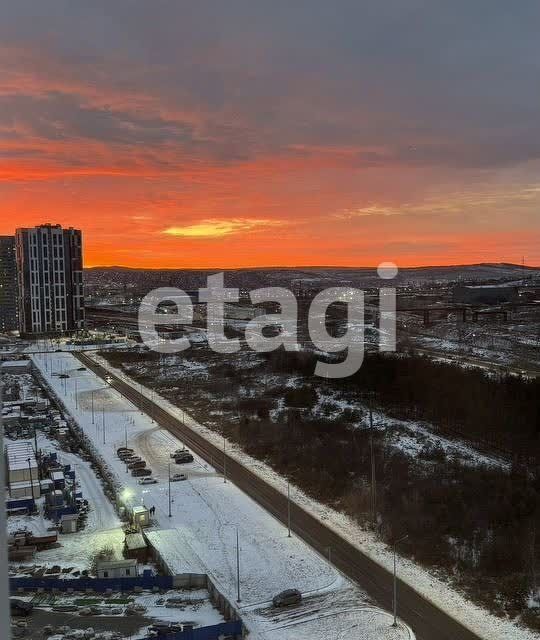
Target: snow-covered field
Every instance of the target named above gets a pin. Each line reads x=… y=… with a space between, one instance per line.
x=206 y=512
x=431 y=586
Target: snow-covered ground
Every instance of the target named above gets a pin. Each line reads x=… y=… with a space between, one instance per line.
x=431 y=586
x=206 y=512
x=410 y=436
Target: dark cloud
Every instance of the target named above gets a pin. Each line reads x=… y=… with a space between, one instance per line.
x=457 y=82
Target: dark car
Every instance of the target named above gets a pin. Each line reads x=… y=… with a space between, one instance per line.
x=139 y=473
x=20 y=607
x=123 y=450
x=183 y=458
x=137 y=464
x=287 y=598
x=127 y=455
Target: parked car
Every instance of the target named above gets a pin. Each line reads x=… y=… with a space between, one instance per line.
x=126 y=454
x=20 y=607
x=287 y=598
x=108 y=379
x=81 y=369
x=179 y=452
x=63 y=375
x=123 y=450
x=138 y=464
x=177 y=477
x=183 y=458
x=139 y=473
x=148 y=480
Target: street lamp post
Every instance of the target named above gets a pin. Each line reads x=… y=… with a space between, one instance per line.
x=170 y=512
x=289 y=509
x=238 y=598
x=103 y=420
x=224 y=463
x=92 y=403
x=31 y=481
x=76 y=394
x=373 y=477
x=396 y=542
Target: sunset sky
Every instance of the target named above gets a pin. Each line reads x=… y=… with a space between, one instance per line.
x=230 y=134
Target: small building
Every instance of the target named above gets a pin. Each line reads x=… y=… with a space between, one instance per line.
x=68 y=523
x=58 y=479
x=20 y=490
x=118 y=569
x=15 y=367
x=136 y=547
x=140 y=516
x=22 y=470
x=485 y=294
x=55 y=499
x=46 y=485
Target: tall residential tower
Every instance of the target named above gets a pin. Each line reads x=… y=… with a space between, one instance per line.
x=8 y=285
x=49 y=265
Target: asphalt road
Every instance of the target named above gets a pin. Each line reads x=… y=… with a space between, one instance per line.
x=427 y=620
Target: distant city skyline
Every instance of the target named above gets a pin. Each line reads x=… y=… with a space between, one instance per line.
x=230 y=135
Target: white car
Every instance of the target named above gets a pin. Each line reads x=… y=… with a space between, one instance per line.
x=178 y=477
x=148 y=480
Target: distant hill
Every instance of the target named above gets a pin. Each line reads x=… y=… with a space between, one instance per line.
x=310 y=276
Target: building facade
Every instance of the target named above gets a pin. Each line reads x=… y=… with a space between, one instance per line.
x=8 y=285
x=22 y=470
x=50 y=285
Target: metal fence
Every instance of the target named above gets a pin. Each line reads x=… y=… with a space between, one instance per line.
x=95 y=584
x=225 y=629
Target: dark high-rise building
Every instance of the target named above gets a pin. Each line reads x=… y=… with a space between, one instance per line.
x=49 y=266
x=8 y=285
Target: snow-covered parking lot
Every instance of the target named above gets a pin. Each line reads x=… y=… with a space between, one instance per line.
x=206 y=512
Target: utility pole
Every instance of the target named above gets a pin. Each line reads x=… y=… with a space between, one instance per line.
x=92 y=403
x=170 y=512
x=103 y=420
x=35 y=442
x=289 y=508
x=76 y=392
x=238 y=598
x=373 y=478
x=31 y=481
x=224 y=463
x=396 y=542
